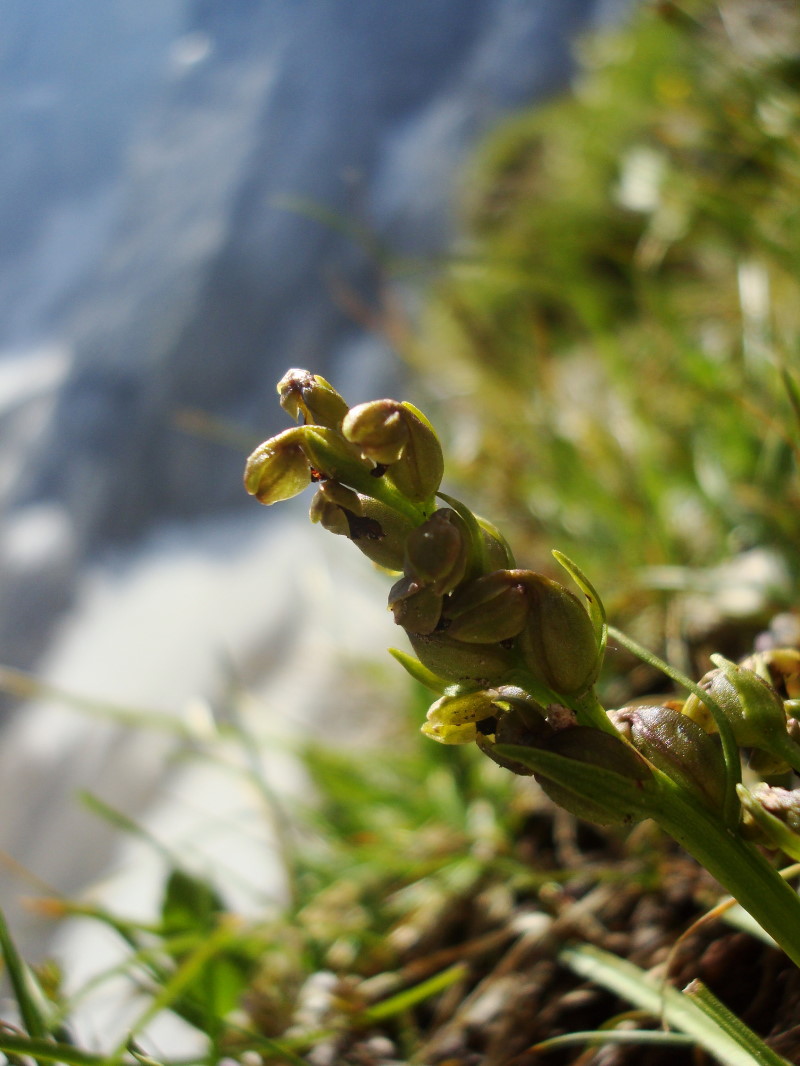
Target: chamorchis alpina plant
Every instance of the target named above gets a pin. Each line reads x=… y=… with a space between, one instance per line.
x=512 y=656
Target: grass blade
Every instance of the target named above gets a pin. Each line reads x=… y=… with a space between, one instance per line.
x=226 y=931
x=47 y=1051
x=600 y=1037
x=662 y=1001
x=29 y=996
x=410 y=997
x=732 y=1025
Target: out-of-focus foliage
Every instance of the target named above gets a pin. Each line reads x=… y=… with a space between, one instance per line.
x=619 y=345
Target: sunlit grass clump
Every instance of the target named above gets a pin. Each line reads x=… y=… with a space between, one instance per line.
x=620 y=335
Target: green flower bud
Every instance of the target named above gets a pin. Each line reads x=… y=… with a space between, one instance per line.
x=382 y=534
x=418 y=472
x=558 y=642
x=592 y=747
x=278 y=469
x=417 y=608
x=378 y=531
x=487 y=549
x=453 y=660
x=489 y=609
x=496 y=551
x=310 y=397
x=681 y=749
x=752 y=706
x=398 y=436
x=437 y=551
x=452 y=718
x=379 y=429
x=780 y=667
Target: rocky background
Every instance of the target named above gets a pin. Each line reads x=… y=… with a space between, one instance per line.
x=154 y=260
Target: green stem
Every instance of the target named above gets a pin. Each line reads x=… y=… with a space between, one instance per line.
x=327 y=450
x=735 y=863
x=629 y=791
x=591 y=712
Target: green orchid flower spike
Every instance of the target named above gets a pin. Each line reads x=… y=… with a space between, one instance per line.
x=513 y=656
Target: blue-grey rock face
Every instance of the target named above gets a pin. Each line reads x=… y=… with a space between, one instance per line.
x=172 y=159
x=74 y=79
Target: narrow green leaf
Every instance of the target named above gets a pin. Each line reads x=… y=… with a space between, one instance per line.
x=150 y=958
x=124 y=824
x=738 y=918
x=600 y=1037
x=652 y=995
x=732 y=1025
x=30 y=999
x=362 y=236
x=594 y=604
x=601 y=787
x=144 y=1060
x=282 y=1050
x=410 y=997
x=185 y=974
x=47 y=1051
x=792 y=391
x=419 y=672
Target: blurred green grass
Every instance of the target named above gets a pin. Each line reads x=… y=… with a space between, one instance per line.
x=617 y=345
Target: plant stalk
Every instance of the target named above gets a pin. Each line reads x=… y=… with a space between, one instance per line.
x=734 y=862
